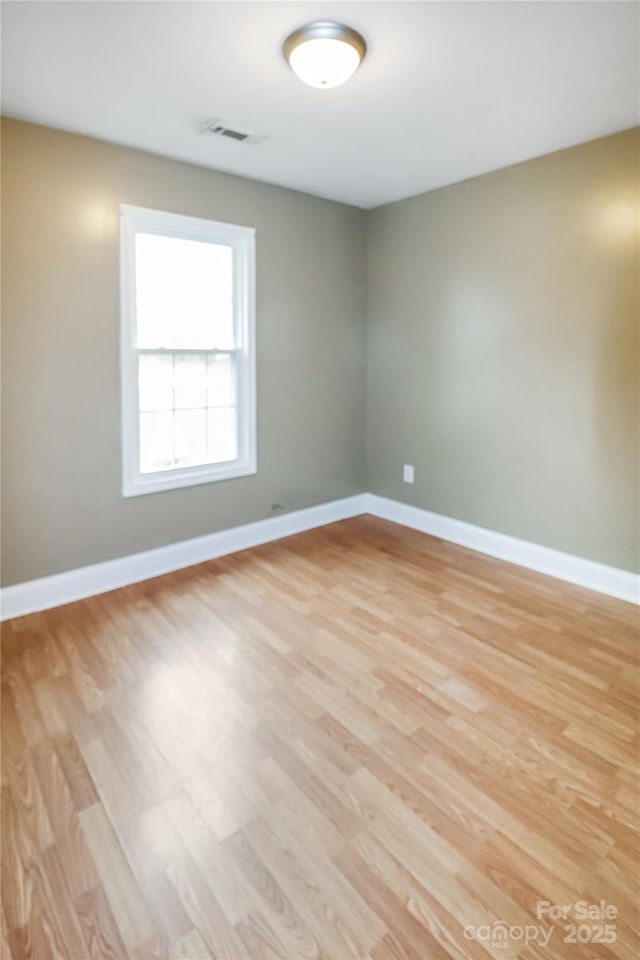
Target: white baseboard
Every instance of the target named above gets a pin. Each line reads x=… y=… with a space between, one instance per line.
x=564 y=566
x=23 y=598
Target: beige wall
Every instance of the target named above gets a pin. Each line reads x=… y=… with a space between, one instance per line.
x=503 y=350
x=62 y=506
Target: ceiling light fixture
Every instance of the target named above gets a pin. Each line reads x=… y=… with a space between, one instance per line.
x=324 y=54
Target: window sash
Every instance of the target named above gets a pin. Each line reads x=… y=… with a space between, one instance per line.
x=175 y=409
x=242 y=242
x=196 y=351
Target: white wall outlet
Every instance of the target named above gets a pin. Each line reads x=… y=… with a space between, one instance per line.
x=408 y=473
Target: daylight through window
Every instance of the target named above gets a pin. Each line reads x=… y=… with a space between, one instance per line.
x=187 y=350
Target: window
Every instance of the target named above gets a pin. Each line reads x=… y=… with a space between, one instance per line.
x=187 y=350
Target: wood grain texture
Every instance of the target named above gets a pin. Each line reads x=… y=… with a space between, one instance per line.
x=352 y=743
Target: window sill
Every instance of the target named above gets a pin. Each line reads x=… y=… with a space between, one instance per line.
x=185 y=477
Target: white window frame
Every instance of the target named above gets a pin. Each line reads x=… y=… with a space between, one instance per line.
x=135 y=220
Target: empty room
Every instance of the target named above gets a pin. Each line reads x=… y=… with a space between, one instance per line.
x=320 y=529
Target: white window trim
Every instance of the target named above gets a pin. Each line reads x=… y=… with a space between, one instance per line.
x=242 y=240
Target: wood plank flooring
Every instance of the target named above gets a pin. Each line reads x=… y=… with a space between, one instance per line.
x=359 y=742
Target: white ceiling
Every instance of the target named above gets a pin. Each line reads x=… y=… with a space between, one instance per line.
x=447 y=91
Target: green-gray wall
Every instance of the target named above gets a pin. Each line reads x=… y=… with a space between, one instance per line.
x=62 y=503
x=503 y=350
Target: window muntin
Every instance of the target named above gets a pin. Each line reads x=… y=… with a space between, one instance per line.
x=188 y=357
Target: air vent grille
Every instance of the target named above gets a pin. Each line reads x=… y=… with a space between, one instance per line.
x=228 y=132
x=218 y=129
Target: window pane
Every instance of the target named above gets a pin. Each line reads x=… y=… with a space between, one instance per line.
x=220 y=392
x=156 y=441
x=184 y=293
x=190 y=381
x=221 y=434
x=191 y=436
x=155 y=383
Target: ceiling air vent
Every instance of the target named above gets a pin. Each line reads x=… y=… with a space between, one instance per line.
x=217 y=129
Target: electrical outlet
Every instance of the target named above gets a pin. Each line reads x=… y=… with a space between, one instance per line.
x=408 y=473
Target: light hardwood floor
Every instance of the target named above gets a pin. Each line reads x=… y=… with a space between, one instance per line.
x=356 y=742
